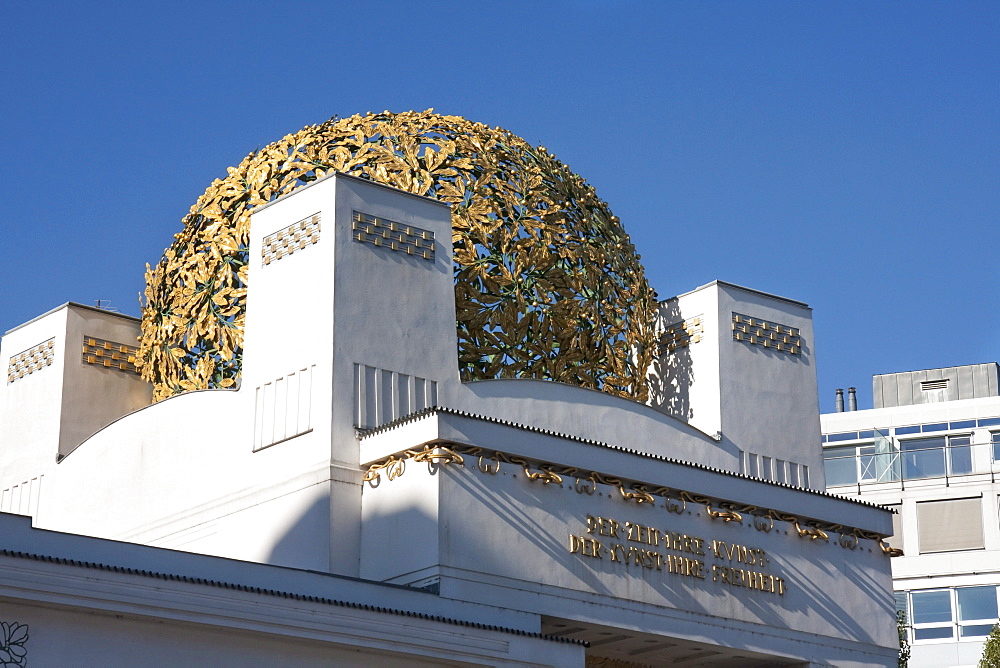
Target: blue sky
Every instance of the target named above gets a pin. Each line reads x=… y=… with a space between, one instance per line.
x=842 y=154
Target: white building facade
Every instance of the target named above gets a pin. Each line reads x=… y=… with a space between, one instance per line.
x=930 y=450
x=352 y=498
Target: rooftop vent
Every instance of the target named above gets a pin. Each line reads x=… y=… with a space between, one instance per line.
x=928 y=385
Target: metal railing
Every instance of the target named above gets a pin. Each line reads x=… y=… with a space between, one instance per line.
x=893 y=461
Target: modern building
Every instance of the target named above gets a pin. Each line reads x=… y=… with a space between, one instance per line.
x=353 y=501
x=930 y=450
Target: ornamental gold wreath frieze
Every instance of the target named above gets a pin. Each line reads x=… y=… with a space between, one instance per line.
x=585 y=482
x=547 y=283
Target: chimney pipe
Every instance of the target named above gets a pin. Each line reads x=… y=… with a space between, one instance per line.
x=852 y=399
x=840 y=400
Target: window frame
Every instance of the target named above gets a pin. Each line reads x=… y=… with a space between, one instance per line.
x=955 y=624
x=932 y=530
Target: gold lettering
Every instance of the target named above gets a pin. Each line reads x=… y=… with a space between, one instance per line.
x=587 y=547
x=676 y=541
x=741 y=553
x=633 y=556
x=597 y=549
x=603 y=526
x=672 y=563
x=639 y=533
x=678 y=564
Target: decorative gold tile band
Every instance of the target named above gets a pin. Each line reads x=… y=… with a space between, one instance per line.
x=394 y=236
x=287 y=240
x=109 y=354
x=768 y=334
x=31 y=360
x=681 y=334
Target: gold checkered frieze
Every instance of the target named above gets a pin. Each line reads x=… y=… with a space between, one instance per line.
x=293 y=238
x=681 y=334
x=766 y=333
x=109 y=354
x=394 y=236
x=31 y=360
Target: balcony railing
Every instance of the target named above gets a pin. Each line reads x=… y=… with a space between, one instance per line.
x=888 y=460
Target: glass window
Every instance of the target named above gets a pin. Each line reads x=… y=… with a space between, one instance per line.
x=940 y=426
x=843 y=436
x=933 y=632
x=841 y=467
x=974 y=630
x=878 y=461
x=923 y=457
x=869 y=462
x=963 y=424
x=866 y=457
x=930 y=607
x=960 y=454
x=989 y=422
x=932 y=617
x=938 y=613
x=977 y=605
x=995 y=438
x=908 y=430
x=900 y=597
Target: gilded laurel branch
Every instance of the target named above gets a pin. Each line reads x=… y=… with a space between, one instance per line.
x=547 y=283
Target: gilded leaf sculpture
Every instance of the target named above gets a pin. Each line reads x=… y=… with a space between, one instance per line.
x=547 y=283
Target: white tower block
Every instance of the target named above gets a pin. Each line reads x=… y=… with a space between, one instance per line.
x=740 y=364
x=70 y=372
x=350 y=322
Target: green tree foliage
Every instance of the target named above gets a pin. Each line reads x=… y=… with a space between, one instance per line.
x=904 y=643
x=991 y=651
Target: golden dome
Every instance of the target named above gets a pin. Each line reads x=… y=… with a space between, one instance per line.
x=547 y=283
